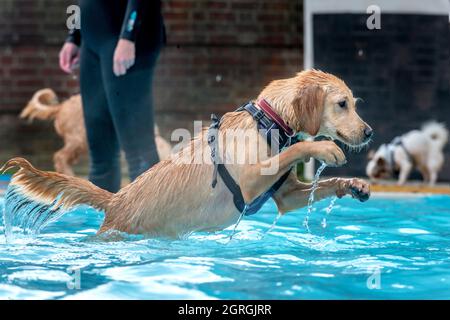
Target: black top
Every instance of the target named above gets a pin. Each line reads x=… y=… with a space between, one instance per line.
x=134 y=20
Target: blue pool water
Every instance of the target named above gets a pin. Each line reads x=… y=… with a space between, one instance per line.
x=386 y=248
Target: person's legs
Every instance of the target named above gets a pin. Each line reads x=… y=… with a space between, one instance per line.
x=131 y=106
x=104 y=149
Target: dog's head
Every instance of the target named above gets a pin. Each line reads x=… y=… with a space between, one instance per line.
x=319 y=104
x=378 y=166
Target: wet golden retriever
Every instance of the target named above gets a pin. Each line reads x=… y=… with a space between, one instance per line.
x=175 y=198
x=69 y=125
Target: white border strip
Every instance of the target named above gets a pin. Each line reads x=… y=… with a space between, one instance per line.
x=431 y=7
x=403 y=195
x=310 y=7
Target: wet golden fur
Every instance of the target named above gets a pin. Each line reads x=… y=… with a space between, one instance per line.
x=175 y=198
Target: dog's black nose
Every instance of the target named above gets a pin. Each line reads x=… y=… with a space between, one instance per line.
x=368 y=132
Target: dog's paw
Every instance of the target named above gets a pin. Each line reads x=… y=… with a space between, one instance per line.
x=357 y=188
x=328 y=152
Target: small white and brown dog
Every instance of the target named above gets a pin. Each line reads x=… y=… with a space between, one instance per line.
x=417 y=149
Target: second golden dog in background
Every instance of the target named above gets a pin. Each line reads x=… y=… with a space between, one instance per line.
x=69 y=125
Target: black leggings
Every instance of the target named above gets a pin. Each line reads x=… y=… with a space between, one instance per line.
x=118 y=113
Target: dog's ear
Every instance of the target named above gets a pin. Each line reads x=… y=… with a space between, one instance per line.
x=370 y=154
x=308 y=108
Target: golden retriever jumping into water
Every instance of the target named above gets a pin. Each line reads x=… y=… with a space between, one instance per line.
x=69 y=125
x=175 y=198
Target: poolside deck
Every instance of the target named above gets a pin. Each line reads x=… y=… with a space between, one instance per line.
x=411 y=188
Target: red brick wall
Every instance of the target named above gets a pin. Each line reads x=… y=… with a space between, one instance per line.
x=219 y=54
x=245 y=42
x=30 y=35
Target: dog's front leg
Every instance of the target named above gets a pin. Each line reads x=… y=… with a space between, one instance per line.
x=294 y=194
x=61 y=161
x=253 y=180
x=405 y=170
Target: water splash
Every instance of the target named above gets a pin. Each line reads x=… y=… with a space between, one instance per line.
x=331 y=205
x=237 y=223
x=6 y=226
x=315 y=184
x=272 y=226
x=328 y=210
x=26 y=214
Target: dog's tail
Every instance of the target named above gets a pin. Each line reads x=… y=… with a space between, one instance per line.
x=44 y=105
x=437 y=132
x=35 y=198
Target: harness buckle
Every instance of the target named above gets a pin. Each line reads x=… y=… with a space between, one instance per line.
x=258 y=115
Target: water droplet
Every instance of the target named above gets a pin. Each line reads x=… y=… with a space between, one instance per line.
x=315 y=185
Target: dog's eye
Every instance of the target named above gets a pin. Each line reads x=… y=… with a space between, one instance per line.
x=342 y=103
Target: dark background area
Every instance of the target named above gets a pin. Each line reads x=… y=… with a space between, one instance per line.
x=402 y=71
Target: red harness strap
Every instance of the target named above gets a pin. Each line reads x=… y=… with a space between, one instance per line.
x=265 y=106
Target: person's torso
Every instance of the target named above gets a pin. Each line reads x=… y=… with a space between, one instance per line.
x=102 y=20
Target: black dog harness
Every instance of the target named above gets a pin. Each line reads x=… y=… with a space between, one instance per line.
x=397 y=142
x=273 y=128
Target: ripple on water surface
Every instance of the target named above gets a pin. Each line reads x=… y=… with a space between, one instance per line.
x=404 y=246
